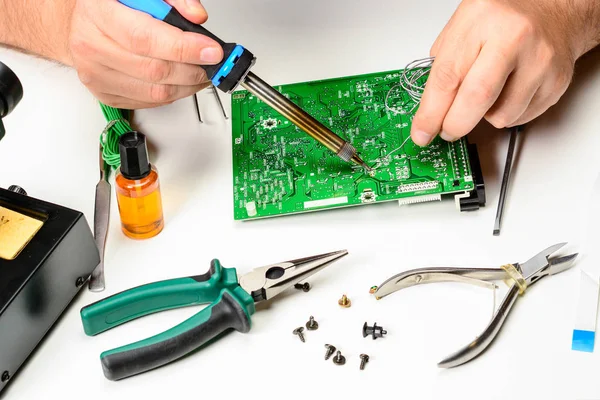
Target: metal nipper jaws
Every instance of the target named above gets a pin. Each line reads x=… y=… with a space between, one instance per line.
x=266 y=282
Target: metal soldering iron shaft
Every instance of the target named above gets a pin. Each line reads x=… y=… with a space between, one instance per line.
x=302 y=119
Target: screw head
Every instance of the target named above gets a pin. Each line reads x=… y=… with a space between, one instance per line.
x=339 y=359
x=79 y=282
x=305 y=287
x=312 y=325
x=5 y=376
x=364 y=357
x=17 y=189
x=364 y=330
x=344 y=302
x=298 y=331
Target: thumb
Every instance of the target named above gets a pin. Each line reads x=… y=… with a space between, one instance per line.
x=191 y=10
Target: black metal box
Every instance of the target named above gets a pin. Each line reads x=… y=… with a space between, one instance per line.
x=38 y=285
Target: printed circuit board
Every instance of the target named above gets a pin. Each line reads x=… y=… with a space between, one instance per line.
x=278 y=169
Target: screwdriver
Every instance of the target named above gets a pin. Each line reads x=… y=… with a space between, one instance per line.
x=234 y=70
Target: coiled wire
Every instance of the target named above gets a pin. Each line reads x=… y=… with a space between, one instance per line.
x=412 y=81
x=117 y=125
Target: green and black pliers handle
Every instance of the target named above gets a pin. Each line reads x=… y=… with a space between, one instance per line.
x=230 y=309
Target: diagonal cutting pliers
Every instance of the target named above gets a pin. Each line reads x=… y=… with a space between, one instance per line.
x=232 y=303
x=519 y=276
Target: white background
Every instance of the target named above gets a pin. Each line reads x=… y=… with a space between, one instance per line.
x=51 y=150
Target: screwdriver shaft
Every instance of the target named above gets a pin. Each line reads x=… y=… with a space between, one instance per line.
x=506 y=177
x=302 y=119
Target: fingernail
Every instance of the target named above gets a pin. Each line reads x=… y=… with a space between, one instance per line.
x=421 y=138
x=211 y=55
x=447 y=138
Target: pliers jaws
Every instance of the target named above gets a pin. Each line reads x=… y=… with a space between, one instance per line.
x=263 y=283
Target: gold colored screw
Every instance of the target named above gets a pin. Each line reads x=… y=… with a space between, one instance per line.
x=344 y=301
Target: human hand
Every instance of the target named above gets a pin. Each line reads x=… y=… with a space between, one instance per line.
x=507 y=61
x=130 y=60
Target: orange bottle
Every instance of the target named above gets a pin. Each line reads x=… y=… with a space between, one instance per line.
x=138 y=189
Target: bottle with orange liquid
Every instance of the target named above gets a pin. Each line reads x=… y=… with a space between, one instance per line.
x=138 y=189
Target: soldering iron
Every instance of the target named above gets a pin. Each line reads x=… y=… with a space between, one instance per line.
x=234 y=70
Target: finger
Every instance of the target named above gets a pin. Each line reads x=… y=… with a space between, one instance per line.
x=116 y=83
x=547 y=95
x=479 y=90
x=192 y=10
x=515 y=98
x=447 y=73
x=141 y=34
x=144 y=68
x=440 y=39
x=438 y=42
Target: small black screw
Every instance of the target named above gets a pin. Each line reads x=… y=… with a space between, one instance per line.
x=298 y=331
x=364 y=359
x=5 y=376
x=375 y=331
x=339 y=359
x=330 y=350
x=303 y=286
x=79 y=282
x=312 y=325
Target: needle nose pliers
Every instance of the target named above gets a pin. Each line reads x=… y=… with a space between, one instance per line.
x=519 y=275
x=232 y=303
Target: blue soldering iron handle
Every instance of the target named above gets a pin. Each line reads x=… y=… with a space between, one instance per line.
x=236 y=60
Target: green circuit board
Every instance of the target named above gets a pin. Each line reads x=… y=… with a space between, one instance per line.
x=278 y=169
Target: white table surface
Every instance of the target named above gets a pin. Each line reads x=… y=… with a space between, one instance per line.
x=51 y=150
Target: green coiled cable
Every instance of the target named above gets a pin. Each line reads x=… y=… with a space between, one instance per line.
x=118 y=124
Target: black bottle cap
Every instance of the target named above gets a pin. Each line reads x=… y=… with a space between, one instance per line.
x=134 y=155
x=11 y=90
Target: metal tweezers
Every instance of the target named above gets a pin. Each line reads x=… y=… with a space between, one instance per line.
x=521 y=277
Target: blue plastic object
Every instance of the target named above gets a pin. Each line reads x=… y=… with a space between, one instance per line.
x=583 y=340
x=228 y=65
x=157 y=8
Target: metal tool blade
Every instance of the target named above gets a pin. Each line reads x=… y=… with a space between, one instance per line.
x=561 y=264
x=101 y=218
x=540 y=260
x=506 y=177
x=266 y=282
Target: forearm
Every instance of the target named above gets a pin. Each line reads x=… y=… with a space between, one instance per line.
x=39 y=27
x=584 y=16
x=592 y=23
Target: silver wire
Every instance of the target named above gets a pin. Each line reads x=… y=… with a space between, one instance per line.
x=388 y=155
x=409 y=81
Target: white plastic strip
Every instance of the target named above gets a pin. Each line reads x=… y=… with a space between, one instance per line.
x=326 y=202
x=584 y=332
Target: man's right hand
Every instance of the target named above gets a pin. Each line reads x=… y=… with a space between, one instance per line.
x=128 y=59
